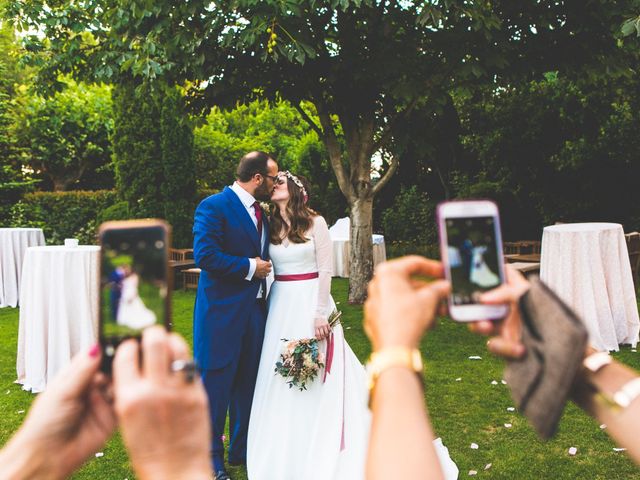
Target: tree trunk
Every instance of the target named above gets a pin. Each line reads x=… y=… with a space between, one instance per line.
x=361 y=249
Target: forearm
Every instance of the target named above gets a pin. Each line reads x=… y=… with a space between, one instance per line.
x=623 y=425
x=21 y=459
x=400 y=429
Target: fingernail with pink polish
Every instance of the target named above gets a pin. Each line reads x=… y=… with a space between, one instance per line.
x=94 y=351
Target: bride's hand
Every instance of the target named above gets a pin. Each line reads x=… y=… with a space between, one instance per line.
x=322 y=328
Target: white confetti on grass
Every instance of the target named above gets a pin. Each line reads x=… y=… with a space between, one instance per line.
x=488 y=466
x=508 y=425
x=8 y=392
x=504 y=382
x=511 y=409
x=472 y=473
x=619 y=449
x=99 y=454
x=494 y=383
x=603 y=426
x=475 y=357
x=20 y=411
x=573 y=451
x=474 y=446
x=459 y=379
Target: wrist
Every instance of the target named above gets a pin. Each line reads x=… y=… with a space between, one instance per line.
x=393 y=357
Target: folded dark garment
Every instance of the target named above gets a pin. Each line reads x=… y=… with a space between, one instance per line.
x=555 y=339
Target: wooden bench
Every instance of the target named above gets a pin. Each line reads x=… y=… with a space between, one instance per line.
x=190 y=278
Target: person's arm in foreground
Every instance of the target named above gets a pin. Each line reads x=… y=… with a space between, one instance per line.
x=66 y=425
x=622 y=424
x=398 y=311
x=163 y=417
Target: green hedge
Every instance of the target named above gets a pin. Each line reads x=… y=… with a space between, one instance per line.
x=63 y=214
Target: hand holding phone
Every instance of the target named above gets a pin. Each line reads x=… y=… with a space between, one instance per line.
x=471 y=251
x=134 y=283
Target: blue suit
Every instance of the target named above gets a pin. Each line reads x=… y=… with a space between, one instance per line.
x=228 y=327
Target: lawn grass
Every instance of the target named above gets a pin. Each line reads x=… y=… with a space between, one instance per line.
x=470 y=410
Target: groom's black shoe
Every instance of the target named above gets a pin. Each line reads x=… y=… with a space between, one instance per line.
x=221 y=475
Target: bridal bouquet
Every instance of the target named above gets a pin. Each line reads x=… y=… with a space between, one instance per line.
x=301 y=361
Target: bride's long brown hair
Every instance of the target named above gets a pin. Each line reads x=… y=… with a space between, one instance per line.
x=299 y=214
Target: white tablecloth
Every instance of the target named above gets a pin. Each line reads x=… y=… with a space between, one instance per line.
x=58 y=310
x=13 y=245
x=341 y=252
x=587 y=265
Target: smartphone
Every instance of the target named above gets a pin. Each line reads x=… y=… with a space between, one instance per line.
x=134 y=282
x=471 y=250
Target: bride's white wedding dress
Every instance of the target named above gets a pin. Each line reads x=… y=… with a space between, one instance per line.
x=322 y=432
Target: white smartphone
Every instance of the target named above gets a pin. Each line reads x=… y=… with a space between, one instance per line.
x=471 y=251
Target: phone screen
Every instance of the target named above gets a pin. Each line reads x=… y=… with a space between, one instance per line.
x=133 y=283
x=472 y=251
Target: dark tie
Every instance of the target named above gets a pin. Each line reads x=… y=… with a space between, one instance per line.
x=258 y=210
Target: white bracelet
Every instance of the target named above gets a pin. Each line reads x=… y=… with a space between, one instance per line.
x=627 y=393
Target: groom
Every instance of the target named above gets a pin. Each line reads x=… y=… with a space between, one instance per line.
x=231 y=245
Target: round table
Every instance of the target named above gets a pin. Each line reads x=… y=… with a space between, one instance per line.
x=13 y=245
x=587 y=265
x=58 y=310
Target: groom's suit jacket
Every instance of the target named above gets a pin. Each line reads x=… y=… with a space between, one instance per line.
x=225 y=237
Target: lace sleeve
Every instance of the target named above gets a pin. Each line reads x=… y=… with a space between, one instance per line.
x=324 y=259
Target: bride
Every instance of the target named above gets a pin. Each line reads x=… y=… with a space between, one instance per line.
x=322 y=432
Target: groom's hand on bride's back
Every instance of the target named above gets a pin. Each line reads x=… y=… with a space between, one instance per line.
x=263 y=268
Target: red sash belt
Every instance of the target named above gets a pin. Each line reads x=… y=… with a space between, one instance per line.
x=296 y=276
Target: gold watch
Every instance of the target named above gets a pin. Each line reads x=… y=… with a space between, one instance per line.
x=389 y=357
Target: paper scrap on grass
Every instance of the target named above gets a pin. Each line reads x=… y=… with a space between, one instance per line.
x=573 y=451
x=508 y=425
x=504 y=382
x=99 y=454
x=619 y=449
x=511 y=409
x=20 y=411
x=475 y=357
x=474 y=446
x=488 y=466
x=472 y=473
x=494 y=383
x=459 y=379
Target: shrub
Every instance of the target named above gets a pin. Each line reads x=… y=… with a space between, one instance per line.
x=410 y=219
x=117 y=211
x=63 y=214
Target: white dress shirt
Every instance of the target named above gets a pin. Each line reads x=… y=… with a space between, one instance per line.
x=248 y=200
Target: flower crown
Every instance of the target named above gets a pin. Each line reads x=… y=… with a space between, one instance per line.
x=298 y=183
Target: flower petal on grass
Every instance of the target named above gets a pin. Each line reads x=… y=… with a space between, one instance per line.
x=511 y=409
x=472 y=473
x=474 y=446
x=475 y=357
x=20 y=411
x=619 y=449
x=459 y=379
x=488 y=466
x=573 y=451
x=99 y=454
x=508 y=425
x=603 y=426
x=504 y=382
x=494 y=383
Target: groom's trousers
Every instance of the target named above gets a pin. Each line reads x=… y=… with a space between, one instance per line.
x=230 y=389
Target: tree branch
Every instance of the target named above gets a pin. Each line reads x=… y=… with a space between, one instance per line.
x=386 y=132
x=393 y=166
x=309 y=120
x=335 y=155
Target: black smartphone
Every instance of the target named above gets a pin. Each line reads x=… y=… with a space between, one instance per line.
x=134 y=282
